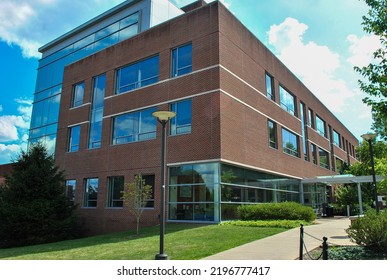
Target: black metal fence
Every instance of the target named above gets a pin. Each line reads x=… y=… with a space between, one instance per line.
x=324 y=253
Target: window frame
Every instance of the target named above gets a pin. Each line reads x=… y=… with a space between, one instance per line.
x=322 y=164
x=320 y=120
x=86 y=193
x=75 y=101
x=273 y=143
x=284 y=94
x=70 y=142
x=138 y=68
x=137 y=121
x=270 y=89
x=174 y=122
x=175 y=68
x=287 y=150
x=111 y=192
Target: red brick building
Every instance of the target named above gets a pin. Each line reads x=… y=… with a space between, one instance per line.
x=246 y=130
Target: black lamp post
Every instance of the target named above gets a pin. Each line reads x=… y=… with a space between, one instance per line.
x=162 y=117
x=369 y=137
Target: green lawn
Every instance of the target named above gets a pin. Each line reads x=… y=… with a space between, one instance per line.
x=182 y=242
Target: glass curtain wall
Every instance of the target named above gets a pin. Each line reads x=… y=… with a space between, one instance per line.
x=45 y=112
x=212 y=191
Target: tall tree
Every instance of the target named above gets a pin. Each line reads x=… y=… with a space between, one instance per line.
x=375 y=74
x=33 y=206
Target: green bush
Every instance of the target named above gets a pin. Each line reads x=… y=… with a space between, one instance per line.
x=276 y=211
x=370 y=230
x=289 y=224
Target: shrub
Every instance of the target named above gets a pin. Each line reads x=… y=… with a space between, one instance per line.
x=370 y=230
x=276 y=211
x=271 y=223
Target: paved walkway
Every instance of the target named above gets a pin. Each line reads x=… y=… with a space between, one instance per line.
x=285 y=245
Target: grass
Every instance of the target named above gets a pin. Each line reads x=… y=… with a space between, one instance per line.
x=182 y=242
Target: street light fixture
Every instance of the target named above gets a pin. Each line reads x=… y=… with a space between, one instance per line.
x=369 y=137
x=162 y=117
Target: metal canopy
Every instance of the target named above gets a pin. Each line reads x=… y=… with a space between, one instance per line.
x=341 y=179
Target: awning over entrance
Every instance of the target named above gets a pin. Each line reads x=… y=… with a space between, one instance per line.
x=341 y=179
x=344 y=179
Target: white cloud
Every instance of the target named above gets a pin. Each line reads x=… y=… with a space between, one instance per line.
x=314 y=64
x=9 y=152
x=362 y=49
x=31 y=24
x=11 y=126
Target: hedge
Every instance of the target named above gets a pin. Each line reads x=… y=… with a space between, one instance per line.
x=276 y=211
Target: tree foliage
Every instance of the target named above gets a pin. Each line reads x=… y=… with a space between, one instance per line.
x=375 y=74
x=347 y=195
x=136 y=195
x=33 y=205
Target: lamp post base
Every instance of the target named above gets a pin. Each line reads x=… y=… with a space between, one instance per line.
x=161 y=257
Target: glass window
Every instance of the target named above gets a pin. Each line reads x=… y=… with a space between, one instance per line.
x=336 y=138
x=323 y=158
x=272 y=130
x=138 y=74
x=115 y=189
x=314 y=153
x=133 y=127
x=74 y=136
x=310 y=117
x=304 y=130
x=339 y=166
x=182 y=122
x=150 y=181
x=287 y=101
x=320 y=126
x=78 y=92
x=70 y=189
x=270 y=87
x=289 y=142
x=95 y=134
x=90 y=192
x=182 y=60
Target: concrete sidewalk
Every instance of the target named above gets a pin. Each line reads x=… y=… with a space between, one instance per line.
x=285 y=246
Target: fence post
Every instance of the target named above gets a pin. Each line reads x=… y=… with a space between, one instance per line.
x=325 y=248
x=301 y=242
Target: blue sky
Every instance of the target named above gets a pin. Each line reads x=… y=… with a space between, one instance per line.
x=318 y=40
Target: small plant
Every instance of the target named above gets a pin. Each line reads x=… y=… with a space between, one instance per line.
x=370 y=231
x=136 y=195
x=276 y=211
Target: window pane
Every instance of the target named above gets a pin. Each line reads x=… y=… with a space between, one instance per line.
x=116 y=186
x=289 y=143
x=269 y=87
x=78 y=94
x=287 y=101
x=74 y=136
x=182 y=60
x=324 y=158
x=133 y=127
x=91 y=192
x=320 y=126
x=272 y=134
x=182 y=122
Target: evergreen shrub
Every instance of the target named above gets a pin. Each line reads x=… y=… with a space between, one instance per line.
x=276 y=211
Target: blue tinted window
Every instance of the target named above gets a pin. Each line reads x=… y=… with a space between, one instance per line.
x=270 y=87
x=182 y=60
x=74 y=136
x=95 y=135
x=138 y=75
x=78 y=93
x=320 y=126
x=133 y=127
x=182 y=122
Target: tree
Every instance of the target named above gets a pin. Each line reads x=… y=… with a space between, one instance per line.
x=33 y=206
x=375 y=74
x=136 y=195
x=347 y=195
